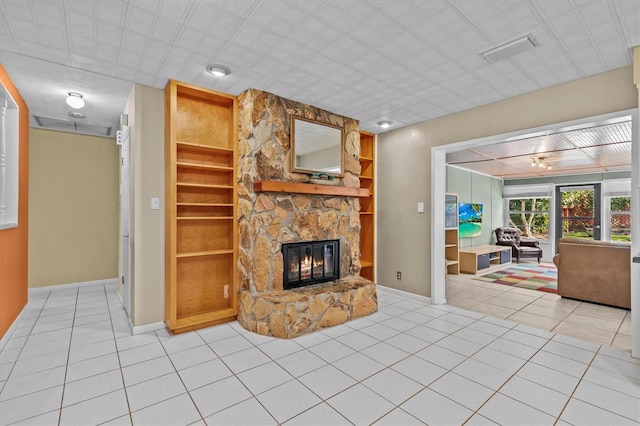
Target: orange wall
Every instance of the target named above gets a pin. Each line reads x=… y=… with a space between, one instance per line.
x=13 y=242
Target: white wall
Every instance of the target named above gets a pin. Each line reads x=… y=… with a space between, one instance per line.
x=145 y=109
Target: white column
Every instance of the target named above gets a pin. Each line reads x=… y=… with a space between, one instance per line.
x=635 y=213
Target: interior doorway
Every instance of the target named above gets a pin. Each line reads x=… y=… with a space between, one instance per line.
x=439 y=188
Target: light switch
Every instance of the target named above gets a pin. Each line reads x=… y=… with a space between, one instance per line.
x=420 y=207
x=155 y=203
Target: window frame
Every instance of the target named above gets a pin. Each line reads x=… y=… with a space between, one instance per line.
x=509 y=212
x=9 y=160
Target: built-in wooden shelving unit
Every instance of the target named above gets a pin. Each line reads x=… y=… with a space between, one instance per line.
x=201 y=233
x=367 y=205
x=451 y=240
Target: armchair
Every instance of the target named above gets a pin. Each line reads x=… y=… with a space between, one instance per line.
x=520 y=247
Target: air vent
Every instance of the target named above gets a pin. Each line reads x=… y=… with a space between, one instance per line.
x=509 y=48
x=72 y=126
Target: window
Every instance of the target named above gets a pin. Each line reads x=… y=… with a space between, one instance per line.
x=619 y=209
x=9 y=145
x=531 y=216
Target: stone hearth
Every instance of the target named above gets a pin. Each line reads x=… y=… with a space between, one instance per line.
x=267 y=220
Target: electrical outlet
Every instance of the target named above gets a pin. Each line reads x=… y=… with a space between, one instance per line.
x=399 y=275
x=226 y=291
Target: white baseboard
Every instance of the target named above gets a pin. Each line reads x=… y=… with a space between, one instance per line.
x=12 y=328
x=140 y=329
x=72 y=285
x=406 y=294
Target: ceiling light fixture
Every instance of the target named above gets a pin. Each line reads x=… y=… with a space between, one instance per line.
x=541 y=162
x=76 y=114
x=74 y=100
x=218 y=70
x=385 y=124
x=509 y=48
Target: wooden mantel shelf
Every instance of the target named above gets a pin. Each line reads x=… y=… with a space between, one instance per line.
x=307 y=188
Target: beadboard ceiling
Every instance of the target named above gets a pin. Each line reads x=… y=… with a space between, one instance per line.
x=594 y=148
x=402 y=60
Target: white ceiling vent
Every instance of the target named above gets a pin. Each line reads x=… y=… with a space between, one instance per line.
x=72 y=126
x=509 y=48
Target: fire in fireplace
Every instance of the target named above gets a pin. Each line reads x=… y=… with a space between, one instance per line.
x=311 y=262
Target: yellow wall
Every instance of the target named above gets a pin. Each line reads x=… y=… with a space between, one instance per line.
x=73 y=208
x=145 y=109
x=404 y=161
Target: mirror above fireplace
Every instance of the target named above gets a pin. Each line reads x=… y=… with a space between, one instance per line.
x=316 y=147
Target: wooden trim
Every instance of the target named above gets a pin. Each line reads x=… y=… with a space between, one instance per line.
x=307 y=188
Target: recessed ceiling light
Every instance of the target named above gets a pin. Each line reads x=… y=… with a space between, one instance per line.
x=385 y=124
x=218 y=70
x=76 y=114
x=74 y=100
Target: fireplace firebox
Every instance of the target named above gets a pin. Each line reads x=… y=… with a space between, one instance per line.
x=310 y=262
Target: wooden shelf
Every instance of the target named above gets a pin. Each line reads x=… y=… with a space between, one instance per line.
x=204 y=204
x=204 y=147
x=204 y=319
x=366 y=177
x=204 y=166
x=361 y=158
x=202 y=185
x=452 y=262
x=307 y=188
x=366 y=213
x=205 y=218
x=366 y=264
x=204 y=253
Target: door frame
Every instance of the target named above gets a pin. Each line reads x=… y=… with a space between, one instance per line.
x=597 y=209
x=125 y=218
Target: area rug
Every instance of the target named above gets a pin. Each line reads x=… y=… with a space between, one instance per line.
x=534 y=277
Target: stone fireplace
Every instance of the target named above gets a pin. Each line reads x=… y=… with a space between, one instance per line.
x=268 y=220
x=310 y=262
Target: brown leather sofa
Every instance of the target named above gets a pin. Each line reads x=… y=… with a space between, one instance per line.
x=594 y=271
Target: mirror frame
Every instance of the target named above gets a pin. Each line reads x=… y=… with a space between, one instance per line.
x=296 y=169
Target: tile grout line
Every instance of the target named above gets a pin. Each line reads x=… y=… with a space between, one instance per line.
x=386 y=367
x=188 y=392
x=22 y=348
x=573 y=311
x=115 y=344
x=66 y=367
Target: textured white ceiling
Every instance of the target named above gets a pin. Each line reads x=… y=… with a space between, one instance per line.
x=401 y=60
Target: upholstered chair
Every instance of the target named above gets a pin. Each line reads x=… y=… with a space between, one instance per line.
x=520 y=247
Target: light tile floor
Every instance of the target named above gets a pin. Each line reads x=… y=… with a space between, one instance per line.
x=604 y=325
x=71 y=360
